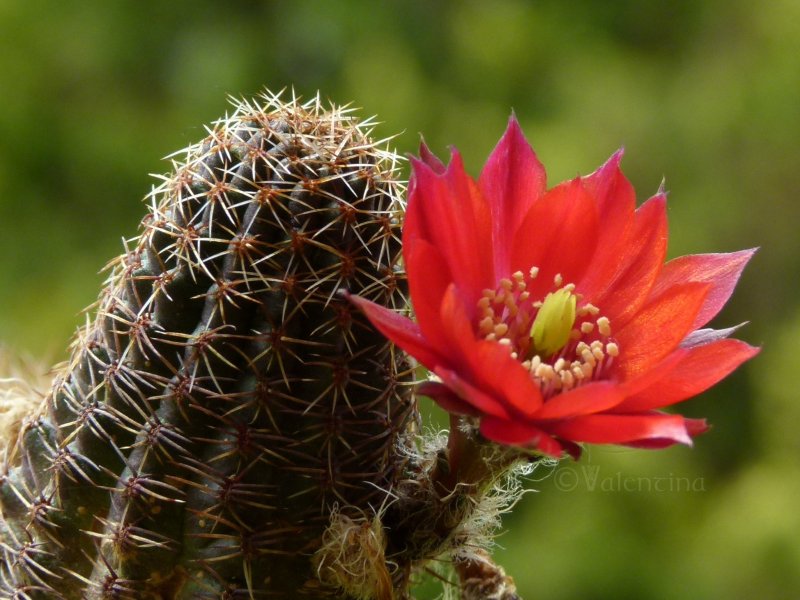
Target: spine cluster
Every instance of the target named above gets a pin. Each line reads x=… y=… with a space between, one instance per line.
x=226 y=400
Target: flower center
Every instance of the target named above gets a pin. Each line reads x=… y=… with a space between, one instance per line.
x=560 y=340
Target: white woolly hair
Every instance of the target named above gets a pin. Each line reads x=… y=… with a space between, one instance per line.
x=352 y=556
x=22 y=385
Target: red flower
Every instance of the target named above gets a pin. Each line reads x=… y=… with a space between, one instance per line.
x=550 y=314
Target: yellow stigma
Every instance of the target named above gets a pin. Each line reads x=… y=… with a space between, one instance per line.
x=553 y=323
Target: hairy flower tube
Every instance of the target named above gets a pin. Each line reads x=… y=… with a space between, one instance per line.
x=551 y=315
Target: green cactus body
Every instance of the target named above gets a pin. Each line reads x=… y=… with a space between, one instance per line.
x=226 y=397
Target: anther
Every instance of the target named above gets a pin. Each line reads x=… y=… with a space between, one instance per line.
x=588 y=358
x=590 y=309
x=604 y=326
x=486 y=325
x=612 y=349
x=567 y=379
x=587 y=327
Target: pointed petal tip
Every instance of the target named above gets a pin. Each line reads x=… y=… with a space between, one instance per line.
x=696 y=427
x=660 y=195
x=429 y=158
x=514 y=133
x=615 y=159
x=611 y=166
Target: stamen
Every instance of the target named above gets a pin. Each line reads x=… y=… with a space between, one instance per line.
x=589 y=309
x=487 y=323
x=500 y=329
x=567 y=380
x=558 y=353
x=604 y=326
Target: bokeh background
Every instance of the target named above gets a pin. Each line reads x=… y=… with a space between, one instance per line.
x=704 y=93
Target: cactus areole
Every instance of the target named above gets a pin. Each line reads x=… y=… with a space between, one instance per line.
x=225 y=400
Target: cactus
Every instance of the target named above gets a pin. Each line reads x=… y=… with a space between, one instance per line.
x=226 y=401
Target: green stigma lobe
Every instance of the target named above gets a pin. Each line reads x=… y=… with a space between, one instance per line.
x=553 y=323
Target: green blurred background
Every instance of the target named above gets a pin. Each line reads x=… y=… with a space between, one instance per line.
x=704 y=93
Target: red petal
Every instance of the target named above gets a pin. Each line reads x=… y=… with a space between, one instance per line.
x=449 y=212
x=624 y=429
x=641 y=258
x=658 y=328
x=591 y=398
x=430 y=159
x=482 y=402
x=519 y=433
x=694 y=427
x=512 y=179
x=494 y=369
x=487 y=366
x=428 y=278
x=458 y=333
x=558 y=235
x=400 y=330
x=722 y=271
x=697 y=370
x=447 y=399
x=616 y=203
